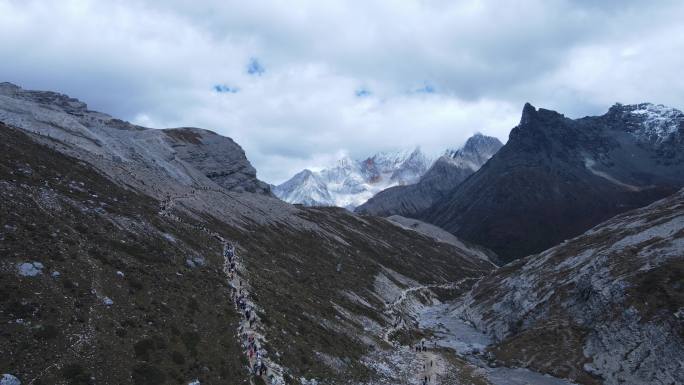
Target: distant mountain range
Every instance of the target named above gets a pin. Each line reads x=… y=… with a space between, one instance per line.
x=405 y=181
x=557 y=177
x=352 y=182
x=447 y=172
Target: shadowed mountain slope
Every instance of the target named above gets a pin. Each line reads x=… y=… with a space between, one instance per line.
x=446 y=173
x=556 y=177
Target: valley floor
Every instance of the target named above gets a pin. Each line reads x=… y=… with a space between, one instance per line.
x=448 y=350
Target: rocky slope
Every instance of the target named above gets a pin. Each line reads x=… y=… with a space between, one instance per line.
x=113 y=262
x=351 y=182
x=187 y=155
x=444 y=175
x=606 y=307
x=95 y=287
x=556 y=177
x=219 y=158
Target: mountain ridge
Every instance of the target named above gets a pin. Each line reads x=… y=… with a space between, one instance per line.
x=351 y=182
x=556 y=177
x=447 y=172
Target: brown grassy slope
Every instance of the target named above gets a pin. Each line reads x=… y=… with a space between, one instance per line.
x=168 y=324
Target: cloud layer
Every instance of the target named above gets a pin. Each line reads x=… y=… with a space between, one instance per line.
x=299 y=83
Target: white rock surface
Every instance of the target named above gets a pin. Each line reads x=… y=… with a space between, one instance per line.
x=8 y=379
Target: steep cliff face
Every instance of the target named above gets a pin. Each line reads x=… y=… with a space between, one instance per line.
x=447 y=172
x=605 y=307
x=556 y=177
x=190 y=156
x=221 y=159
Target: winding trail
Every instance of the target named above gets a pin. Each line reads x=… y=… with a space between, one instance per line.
x=250 y=331
x=425 y=365
x=393 y=308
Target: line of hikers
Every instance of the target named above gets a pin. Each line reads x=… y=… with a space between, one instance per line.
x=250 y=343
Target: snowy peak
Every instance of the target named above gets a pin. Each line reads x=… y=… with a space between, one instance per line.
x=447 y=172
x=653 y=123
x=401 y=167
x=306 y=188
x=474 y=153
x=350 y=182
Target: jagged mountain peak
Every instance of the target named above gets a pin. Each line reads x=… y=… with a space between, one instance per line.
x=565 y=175
x=350 y=182
x=446 y=173
x=474 y=153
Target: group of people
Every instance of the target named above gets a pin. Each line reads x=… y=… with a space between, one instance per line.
x=421 y=347
x=250 y=343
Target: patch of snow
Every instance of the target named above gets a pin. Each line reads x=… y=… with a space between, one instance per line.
x=107 y=301
x=658 y=121
x=195 y=382
x=30 y=269
x=55 y=274
x=120 y=273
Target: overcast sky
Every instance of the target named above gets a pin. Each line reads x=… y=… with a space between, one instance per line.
x=301 y=83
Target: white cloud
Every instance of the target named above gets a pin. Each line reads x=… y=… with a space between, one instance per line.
x=157 y=63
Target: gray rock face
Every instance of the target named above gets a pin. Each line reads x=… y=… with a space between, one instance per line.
x=612 y=296
x=446 y=173
x=218 y=157
x=557 y=177
x=153 y=160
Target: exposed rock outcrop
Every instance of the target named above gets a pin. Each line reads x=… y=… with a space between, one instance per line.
x=557 y=177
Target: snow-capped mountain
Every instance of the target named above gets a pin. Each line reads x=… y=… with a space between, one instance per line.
x=447 y=172
x=557 y=177
x=475 y=152
x=350 y=182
